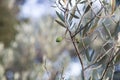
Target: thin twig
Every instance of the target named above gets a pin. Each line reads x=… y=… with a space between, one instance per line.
x=109 y=64
x=78 y=54
x=72 y=38
x=86 y=24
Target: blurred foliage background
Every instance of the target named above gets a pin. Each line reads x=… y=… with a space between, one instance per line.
x=28 y=50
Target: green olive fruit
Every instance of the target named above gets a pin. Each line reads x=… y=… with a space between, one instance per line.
x=59 y=39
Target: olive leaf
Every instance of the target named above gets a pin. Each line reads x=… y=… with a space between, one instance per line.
x=75 y=16
x=107 y=30
x=60 y=16
x=81 y=2
x=113 y=5
x=60 y=23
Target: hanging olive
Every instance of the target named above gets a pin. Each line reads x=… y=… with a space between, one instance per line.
x=59 y=39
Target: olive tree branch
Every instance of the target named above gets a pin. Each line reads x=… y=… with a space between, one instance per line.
x=73 y=42
x=107 y=66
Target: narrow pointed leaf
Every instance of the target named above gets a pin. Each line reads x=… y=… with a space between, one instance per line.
x=89 y=54
x=75 y=16
x=94 y=26
x=107 y=30
x=117 y=29
x=60 y=23
x=88 y=8
x=73 y=12
x=61 y=17
x=82 y=2
x=70 y=2
x=113 y=5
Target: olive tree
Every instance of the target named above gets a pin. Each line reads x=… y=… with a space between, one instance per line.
x=93 y=27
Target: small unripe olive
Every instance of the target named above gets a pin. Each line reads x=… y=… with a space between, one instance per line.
x=59 y=39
